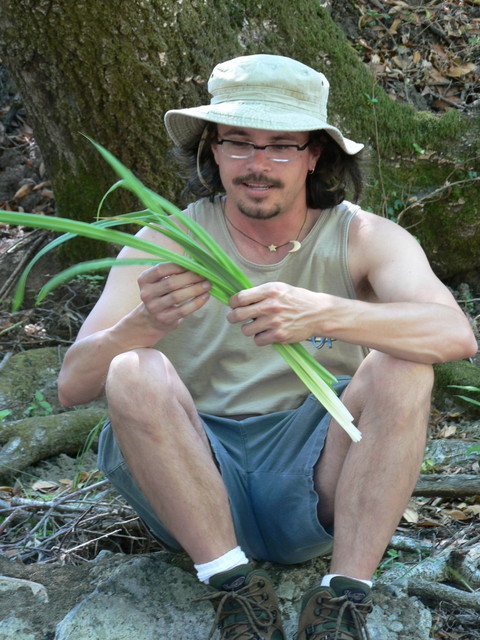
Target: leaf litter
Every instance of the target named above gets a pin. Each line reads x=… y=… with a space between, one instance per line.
x=426 y=54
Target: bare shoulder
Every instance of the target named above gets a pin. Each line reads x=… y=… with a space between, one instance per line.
x=387 y=263
x=373 y=239
x=367 y=226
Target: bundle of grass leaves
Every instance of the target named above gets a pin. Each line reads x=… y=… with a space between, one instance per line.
x=203 y=256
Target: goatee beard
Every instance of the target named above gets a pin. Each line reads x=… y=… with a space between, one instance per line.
x=258 y=213
x=253 y=211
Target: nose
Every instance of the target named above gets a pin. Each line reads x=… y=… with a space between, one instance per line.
x=259 y=159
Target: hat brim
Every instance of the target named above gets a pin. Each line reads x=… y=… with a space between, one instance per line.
x=184 y=125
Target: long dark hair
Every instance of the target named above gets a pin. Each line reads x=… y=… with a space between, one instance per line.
x=334 y=173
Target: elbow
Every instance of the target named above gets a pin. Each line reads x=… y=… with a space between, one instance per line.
x=70 y=393
x=469 y=343
x=65 y=398
x=472 y=348
x=463 y=345
x=68 y=398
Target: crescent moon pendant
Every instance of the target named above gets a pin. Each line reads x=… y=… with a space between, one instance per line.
x=296 y=246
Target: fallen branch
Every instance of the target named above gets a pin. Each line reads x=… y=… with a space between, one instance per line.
x=435 y=592
x=451 y=486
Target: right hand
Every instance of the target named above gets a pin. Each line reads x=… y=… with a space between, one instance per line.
x=170 y=293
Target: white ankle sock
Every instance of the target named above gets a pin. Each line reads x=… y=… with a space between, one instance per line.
x=229 y=560
x=326 y=579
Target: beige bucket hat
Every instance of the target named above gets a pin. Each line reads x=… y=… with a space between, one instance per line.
x=261 y=91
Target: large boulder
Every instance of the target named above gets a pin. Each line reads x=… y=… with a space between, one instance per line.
x=153 y=597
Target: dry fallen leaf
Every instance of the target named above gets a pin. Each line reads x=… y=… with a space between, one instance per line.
x=436 y=78
x=460 y=70
x=393 y=29
x=456 y=514
x=448 y=431
x=44 y=486
x=411 y=514
x=22 y=192
x=473 y=509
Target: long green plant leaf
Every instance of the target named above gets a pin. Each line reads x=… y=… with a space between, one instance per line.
x=202 y=256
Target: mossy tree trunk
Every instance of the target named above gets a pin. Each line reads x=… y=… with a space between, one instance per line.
x=111 y=69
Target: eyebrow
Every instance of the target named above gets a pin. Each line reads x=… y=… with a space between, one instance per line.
x=280 y=136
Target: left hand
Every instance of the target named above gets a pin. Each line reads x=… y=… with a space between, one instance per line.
x=276 y=312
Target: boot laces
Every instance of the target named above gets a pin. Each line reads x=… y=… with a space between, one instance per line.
x=249 y=618
x=341 y=606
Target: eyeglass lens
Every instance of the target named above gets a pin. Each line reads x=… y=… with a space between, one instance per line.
x=276 y=152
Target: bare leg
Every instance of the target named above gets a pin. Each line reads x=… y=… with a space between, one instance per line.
x=161 y=437
x=364 y=487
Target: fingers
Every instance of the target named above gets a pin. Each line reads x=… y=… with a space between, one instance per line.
x=275 y=312
x=170 y=293
x=250 y=296
x=163 y=270
x=254 y=303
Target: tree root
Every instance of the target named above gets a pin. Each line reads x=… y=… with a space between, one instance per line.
x=26 y=442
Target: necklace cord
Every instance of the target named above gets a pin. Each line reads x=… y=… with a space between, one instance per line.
x=271 y=247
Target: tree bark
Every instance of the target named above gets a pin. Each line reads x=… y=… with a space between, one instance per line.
x=111 y=70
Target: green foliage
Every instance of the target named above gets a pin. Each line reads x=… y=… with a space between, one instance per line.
x=467 y=388
x=39 y=406
x=428 y=466
x=90 y=282
x=418 y=149
x=87 y=447
x=4 y=413
x=391 y=559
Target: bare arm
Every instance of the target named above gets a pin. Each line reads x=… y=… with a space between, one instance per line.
x=136 y=309
x=403 y=309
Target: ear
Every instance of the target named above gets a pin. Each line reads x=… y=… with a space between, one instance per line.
x=215 y=151
x=315 y=153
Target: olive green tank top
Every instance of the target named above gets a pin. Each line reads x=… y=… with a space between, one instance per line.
x=226 y=373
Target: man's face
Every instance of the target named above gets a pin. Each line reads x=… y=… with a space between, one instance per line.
x=258 y=186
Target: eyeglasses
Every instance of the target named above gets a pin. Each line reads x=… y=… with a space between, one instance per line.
x=276 y=152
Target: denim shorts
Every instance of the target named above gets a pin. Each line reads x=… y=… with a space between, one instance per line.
x=267 y=466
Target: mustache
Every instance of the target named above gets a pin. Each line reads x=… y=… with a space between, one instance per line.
x=256 y=178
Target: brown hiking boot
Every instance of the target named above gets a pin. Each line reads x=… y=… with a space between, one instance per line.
x=245 y=604
x=337 y=612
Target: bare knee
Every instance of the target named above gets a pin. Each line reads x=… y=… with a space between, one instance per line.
x=387 y=373
x=139 y=378
x=397 y=388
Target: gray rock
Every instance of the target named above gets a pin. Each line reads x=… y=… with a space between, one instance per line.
x=9 y=584
x=144 y=598
x=13 y=627
x=149 y=598
x=443 y=452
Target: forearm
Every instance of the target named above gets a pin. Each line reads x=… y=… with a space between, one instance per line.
x=421 y=332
